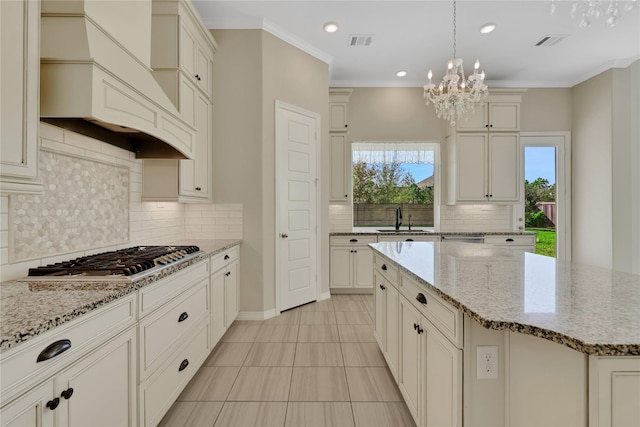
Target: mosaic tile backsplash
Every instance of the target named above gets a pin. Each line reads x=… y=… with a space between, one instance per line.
x=85 y=204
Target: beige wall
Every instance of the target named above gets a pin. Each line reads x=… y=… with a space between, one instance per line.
x=253 y=69
x=546 y=110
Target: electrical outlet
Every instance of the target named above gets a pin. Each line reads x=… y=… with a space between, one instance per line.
x=487 y=362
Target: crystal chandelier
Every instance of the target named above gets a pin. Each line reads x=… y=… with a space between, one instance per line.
x=588 y=11
x=456 y=95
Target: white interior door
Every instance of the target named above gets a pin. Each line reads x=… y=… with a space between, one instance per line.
x=296 y=204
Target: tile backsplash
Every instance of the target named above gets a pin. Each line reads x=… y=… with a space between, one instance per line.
x=131 y=221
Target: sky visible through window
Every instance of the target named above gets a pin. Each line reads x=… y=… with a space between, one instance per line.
x=540 y=162
x=418 y=171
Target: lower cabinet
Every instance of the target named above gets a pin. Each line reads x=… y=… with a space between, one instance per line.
x=614 y=391
x=524 y=242
x=351 y=262
x=386 y=321
x=225 y=294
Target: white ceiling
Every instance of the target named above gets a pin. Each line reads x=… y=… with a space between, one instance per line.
x=418 y=35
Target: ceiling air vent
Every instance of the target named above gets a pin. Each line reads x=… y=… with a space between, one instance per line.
x=363 y=40
x=551 y=40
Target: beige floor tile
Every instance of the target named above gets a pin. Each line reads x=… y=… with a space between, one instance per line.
x=228 y=354
x=382 y=414
x=368 y=302
x=319 y=414
x=192 y=414
x=290 y=317
x=356 y=333
x=262 y=384
x=271 y=354
x=353 y=318
x=317 y=318
x=248 y=322
x=324 y=305
x=318 y=333
x=248 y=414
x=210 y=384
x=349 y=305
x=362 y=354
x=241 y=333
x=277 y=333
x=318 y=354
x=318 y=384
x=372 y=385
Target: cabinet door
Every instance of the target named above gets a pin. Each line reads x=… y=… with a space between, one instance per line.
x=504 y=168
x=443 y=379
x=103 y=386
x=231 y=293
x=472 y=168
x=339 y=168
x=410 y=372
x=30 y=409
x=204 y=65
x=188 y=48
x=504 y=116
x=338 y=116
x=195 y=173
x=380 y=306
x=187 y=100
x=363 y=267
x=391 y=329
x=477 y=120
x=341 y=267
x=19 y=104
x=218 y=318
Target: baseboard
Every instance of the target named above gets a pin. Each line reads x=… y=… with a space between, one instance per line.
x=257 y=315
x=324 y=296
x=351 y=291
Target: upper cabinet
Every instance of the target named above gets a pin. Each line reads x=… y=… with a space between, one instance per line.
x=339 y=145
x=483 y=153
x=182 y=62
x=20 y=100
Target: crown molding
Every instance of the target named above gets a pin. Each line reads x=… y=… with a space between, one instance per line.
x=616 y=63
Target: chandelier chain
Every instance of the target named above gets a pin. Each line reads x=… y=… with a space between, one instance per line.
x=454 y=29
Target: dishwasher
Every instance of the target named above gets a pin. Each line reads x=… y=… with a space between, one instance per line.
x=467 y=238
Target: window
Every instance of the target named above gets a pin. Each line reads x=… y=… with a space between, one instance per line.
x=388 y=175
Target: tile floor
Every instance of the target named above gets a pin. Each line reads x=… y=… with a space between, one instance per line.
x=315 y=365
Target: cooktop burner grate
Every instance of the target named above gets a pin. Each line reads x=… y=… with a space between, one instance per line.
x=123 y=262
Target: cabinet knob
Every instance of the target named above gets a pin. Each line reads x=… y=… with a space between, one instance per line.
x=53 y=350
x=421 y=298
x=228 y=273
x=384 y=267
x=198 y=77
x=346 y=196
x=346 y=125
x=490 y=126
x=53 y=404
x=420 y=330
x=184 y=316
x=416 y=326
x=284 y=235
x=226 y=257
x=486 y=126
x=67 y=393
x=198 y=188
x=382 y=287
x=183 y=365
x=490 y=195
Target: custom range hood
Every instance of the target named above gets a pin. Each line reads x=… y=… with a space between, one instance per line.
x=96 y=78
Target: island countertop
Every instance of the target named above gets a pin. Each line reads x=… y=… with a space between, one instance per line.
x=592 y=310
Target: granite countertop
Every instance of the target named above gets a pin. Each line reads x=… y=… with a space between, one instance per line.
x=28 y=309
x=405 y=232
x=589 y=309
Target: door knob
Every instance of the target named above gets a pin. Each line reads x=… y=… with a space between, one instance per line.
x=284 y=235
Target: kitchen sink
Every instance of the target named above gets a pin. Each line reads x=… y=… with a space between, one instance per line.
x=404 y=231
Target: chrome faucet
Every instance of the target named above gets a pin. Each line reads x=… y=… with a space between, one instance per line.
x=398 y=218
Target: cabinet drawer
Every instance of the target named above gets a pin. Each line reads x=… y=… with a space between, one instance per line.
x=388 y=270
x=408 y=238
x=443 y=315
x=19 y=368
x=509 y=240
x=220 y=260
x=353 y=240
x=160 y=331
x=164 y=290
x=161 y=390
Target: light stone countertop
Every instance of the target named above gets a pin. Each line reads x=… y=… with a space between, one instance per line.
x=28 y=309
x=589 y=309
x=405 y=232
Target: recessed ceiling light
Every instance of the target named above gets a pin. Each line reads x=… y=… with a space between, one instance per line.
x=487 y=28
x=330 y=27
x=401 y=73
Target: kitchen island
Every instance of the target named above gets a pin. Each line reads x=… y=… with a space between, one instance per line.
x=480 y=335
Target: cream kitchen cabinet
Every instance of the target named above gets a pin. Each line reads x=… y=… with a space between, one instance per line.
x=408 y=238
x=338 y=103
x=225 y=294
x=86 y=373
x=526 y=242
x=351 y=262
x=483 y=168
x=20 y=101
x=340 y=167
x=386 y=313
x=614 y=391
x=493 y=116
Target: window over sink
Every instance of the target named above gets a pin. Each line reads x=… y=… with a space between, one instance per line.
x=394 y=183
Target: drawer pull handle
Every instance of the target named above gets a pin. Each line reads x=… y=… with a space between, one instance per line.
x=53 y=404
x=384 y=267
x=226 y=257
x=409 y=240
x=421 y=298
x=53 y=350
x=354 y=240
x=383 y=287
x=67 y=393
x=183 y=365
x=416 y=326
x=184 y=316
x=420 y=330
x=509 y=240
